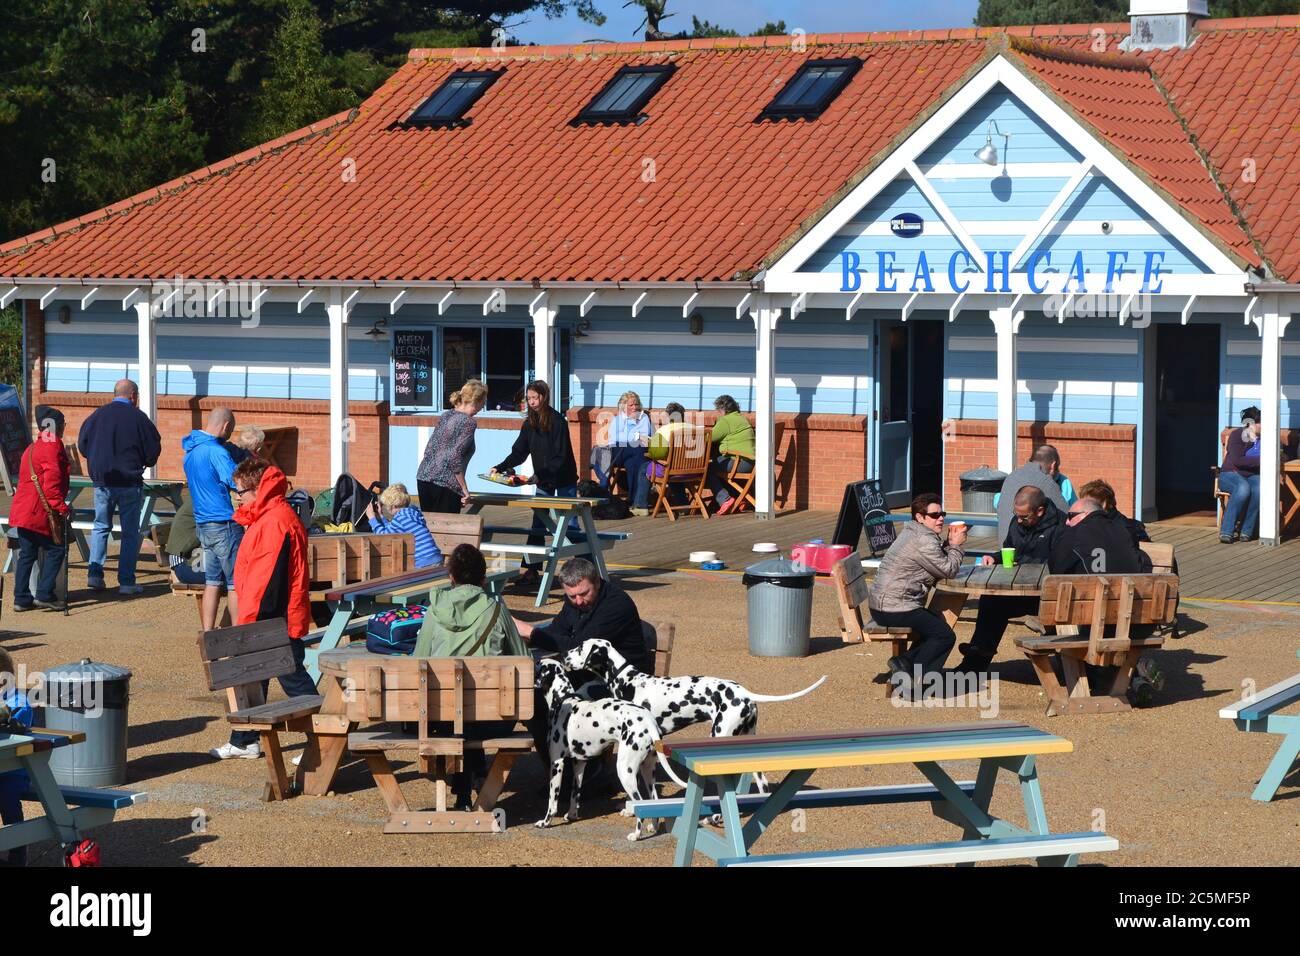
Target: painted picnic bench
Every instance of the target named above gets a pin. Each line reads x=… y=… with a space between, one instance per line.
x=561 y=516
x=352 y=603
x=69 y=811
x=730 y=762
x=1072 y=601
x=1258 y=713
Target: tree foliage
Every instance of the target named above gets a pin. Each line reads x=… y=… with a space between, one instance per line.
x=1005 y=13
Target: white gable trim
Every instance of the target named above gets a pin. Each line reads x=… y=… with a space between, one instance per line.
x=782 y=275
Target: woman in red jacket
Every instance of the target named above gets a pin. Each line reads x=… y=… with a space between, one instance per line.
x=270 y=577
x=44 y=471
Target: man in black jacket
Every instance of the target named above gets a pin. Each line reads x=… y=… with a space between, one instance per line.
x=1092 y=543
x=1034 y=533
x=118 y=442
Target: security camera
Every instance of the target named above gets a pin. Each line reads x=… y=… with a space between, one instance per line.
x=1106 y=228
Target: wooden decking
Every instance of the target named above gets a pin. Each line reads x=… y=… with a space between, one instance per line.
x=1238 y=572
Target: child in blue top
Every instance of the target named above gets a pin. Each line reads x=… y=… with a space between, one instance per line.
x=393 y=514
x=14 y=783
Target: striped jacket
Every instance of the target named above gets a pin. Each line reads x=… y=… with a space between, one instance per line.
x=411 y=521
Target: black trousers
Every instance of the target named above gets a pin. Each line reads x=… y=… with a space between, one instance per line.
x=438 y=499
x=936 y=637
x=296 y=683
x=994 y=615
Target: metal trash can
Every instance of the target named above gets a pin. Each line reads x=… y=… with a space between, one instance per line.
x=91 y=698
x=780 y=594
x=979 y=487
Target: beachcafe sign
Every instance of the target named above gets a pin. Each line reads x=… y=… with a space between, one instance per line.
x=1039 y=272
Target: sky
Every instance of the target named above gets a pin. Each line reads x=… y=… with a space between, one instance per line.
x=745 y=16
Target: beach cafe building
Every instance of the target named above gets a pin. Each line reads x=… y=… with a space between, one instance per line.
x=917 y=253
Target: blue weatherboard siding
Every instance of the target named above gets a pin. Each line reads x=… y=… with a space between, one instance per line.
x=1077 y=382
x=406 y=447
x=823 y=364
x=1240 y=353
x=285 y=356
x=1032 y=141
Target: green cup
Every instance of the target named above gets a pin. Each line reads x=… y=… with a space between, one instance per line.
x=1008 y=557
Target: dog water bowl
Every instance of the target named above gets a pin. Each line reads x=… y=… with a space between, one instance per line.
x=712 y=565
x=766 y=547
x=702 y=557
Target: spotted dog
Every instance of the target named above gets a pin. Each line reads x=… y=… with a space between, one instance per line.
x=677 y=702
x=581 y=730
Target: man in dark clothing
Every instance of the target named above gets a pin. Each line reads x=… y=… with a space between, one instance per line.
x=1041 y=472
x=1093 y=544
x=118 y=442
x=592 y=609
x=1034 y=533
x=1102 y=493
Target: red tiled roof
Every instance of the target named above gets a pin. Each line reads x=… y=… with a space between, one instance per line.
x=520 y=194
x=1118 y=96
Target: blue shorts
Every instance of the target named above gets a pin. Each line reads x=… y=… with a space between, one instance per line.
x=220 y=540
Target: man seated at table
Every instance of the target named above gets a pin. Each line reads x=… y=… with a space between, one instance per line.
x=1102 y=493
x=1033 y=534
x=1043 y=471
x=592 y=608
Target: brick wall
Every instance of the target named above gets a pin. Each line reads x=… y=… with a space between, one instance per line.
x=837 y=444
x=1087 y=452
x=305 y=456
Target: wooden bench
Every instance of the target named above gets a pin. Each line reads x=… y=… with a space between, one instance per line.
x=338 y=560
x=449 y=531
x=459 y=690
x=237 y=660
x=851 y=591
x=1258 y=713
x=659 y=642
x=1097 y=602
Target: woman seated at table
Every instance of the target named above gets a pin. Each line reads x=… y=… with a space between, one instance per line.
x=393 y=514
x=629 y=433
x=733 y=441
x=465 y=621
x=908 y=571
x=182 y=547
x=1239 y=477
x=657 y=450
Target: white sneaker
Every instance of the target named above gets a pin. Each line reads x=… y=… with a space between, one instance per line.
x=128 y=590
x=228 y=750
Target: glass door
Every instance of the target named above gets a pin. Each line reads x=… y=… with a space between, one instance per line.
x=894 y=410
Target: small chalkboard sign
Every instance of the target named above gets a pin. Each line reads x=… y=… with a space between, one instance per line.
x=864 y=509
x=15 y=435
x=413 y=368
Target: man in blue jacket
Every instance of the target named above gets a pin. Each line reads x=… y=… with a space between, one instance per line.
x=118 y=443
x=209 y=467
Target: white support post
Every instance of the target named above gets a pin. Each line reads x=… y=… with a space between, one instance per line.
x=147 y=352
x=1272 y=328
x=340 y=428
x=1006 y=323
x=765 y=319
x=544 y=343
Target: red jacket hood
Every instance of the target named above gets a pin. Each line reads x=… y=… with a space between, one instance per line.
x=272 y=488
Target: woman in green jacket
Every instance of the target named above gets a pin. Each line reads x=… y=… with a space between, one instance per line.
x=732 y=439
x=466 y=621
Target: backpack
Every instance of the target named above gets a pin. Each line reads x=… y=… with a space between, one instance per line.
x=351 y=499
x=301 y=502
x=395 y=631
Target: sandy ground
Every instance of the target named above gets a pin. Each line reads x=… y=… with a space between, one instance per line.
x=1172 y=783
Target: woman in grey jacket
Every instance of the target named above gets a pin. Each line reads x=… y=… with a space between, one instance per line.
x=910 y=567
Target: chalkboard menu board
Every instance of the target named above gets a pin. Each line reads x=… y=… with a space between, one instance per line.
x=15 y=435
x=413 y=369
x=864 y=509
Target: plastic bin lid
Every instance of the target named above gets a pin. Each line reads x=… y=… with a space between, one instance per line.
x=983 y=473
x=85 y=670
x=779 y=568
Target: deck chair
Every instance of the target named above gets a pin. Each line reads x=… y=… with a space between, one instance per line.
x=687 y=465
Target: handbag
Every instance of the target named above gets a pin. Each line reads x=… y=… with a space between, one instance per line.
x=52 y=518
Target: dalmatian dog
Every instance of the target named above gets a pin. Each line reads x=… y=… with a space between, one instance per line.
x=677 y=702
x=581 y=730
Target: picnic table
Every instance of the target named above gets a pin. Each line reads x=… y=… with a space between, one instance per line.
x=31 y=751
x=560 y=516
x=395 y=590
x=1258 y=713
x=83 y=519
x=1021 y=580
x=729 y=763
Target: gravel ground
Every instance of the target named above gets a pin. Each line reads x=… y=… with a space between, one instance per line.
x=1172 y=782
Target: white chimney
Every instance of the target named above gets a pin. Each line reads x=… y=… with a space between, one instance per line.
x=1162 y=24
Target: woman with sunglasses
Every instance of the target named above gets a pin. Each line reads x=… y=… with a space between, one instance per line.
x=920 y=557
